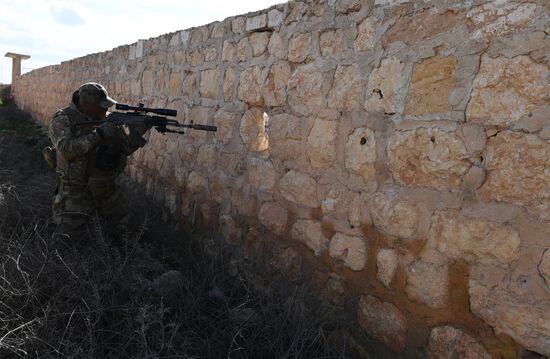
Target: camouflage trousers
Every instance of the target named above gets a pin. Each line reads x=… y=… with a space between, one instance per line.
x=76 y=205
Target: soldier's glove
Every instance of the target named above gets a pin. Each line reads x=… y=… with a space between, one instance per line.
x=107 y=130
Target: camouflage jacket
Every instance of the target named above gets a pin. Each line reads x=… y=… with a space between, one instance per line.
x=82 y=155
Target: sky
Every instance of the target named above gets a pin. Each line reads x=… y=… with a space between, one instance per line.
x=52 y=31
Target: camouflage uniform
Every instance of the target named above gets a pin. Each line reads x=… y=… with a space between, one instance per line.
x=88 y=166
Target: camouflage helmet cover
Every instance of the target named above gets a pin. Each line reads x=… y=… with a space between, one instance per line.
x=95 y=93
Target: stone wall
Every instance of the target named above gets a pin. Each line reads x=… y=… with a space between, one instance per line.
x=398 y=150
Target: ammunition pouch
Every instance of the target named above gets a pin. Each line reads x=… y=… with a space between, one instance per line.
x=108 y=157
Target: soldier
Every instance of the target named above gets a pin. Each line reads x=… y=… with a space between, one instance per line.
x=89 y=158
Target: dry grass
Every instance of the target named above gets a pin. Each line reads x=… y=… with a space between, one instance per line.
x=86 y=297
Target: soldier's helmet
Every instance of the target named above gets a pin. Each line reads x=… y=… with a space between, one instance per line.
x=95 y=93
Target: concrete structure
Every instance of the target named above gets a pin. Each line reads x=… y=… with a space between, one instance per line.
x=406 y=161
x=16 y=64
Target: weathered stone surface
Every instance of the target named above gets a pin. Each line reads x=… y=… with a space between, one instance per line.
x=275 y=18
x=210 y=83
x=544 y=267
x=527 y=321
x=274 y=217
x=428 y=158
x=474 y=137
x=474 y=240
x=431 y=85
x=387 y=261
x=473 y=179
x=228 y=84
x=517 y=166
x=207 y=155
x=392 y=215
x=274 y=89
x=321 y=143
x=351 y=250
x=258 y=22
x=285 y=126
x=245 y=204
x=194 y=57
x=428 y=280
x=299 y=188
x=252 y=130
x=501 y=18
x=227 y=124
x=346 y=89
x=259 y=41
x=261 y=174
x=417 y=27
x=331 y=43
x=196 y=183
x=447 y=342
x=250 y=86
x=244 y=50
x=310 y=233
x=299 y=48
x=175 y=83
x=385 y=88
x=366 y=31
x=361 y=153
x=305 y=90
x=228 y=51
x=347 y=6
x=505 y=90
x=383 y=321
x=277 y=46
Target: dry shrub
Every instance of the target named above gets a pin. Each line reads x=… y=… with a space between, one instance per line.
x=92 y=296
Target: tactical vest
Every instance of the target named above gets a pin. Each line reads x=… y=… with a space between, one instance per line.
x=98 y=169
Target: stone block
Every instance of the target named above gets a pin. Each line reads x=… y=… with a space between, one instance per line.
x=383 y=321
x=277 y=46
x=347 y=6
x=419 y=26
x=351 y=250
x=360 y=153
x=499 y=19
x=331 y=43
x=228 y=82
x=517 y=165
x=428 y=280
x=505 y=90
x=366 y=34
x=250 y=86
x=274 y=89
x=275 y=18
x=385 y=90
x=274 y=217
x=393 y=216
x=261 y=174
x=310 y=233
x=387 y=261
x=447 y=342
x=431 y=85
x=256 y=23
x=300 y=189
x=305 y=90
x=321 y=143
x=473 y=240
x=299 y=47
x=196 y=183
x=428 y=158
x=258 y=41
x=228 y=51
x=346 y=89
x=284 y=126
x=210 y=83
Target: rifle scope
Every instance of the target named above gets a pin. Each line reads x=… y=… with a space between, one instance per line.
x=140 y=108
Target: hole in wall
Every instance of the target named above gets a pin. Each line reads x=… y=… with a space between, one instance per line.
x=363 y=141
x=266 y=122
x=379 y=92
x=432 y=139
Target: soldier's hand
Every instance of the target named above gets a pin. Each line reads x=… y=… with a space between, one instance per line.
x=108 y=129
